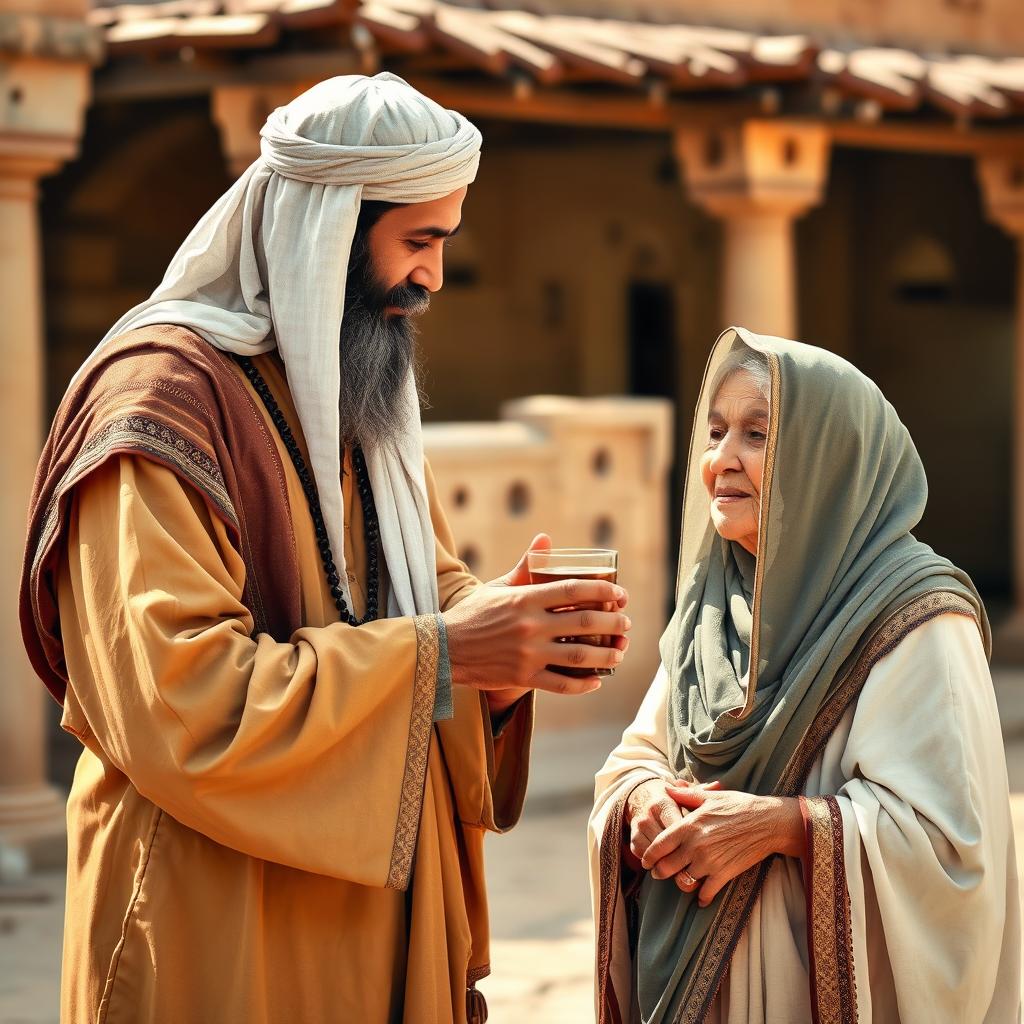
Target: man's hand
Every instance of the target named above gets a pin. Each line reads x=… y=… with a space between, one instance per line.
x=520 y=575
x=502 y=699
x=503 y=636
x=723 y=833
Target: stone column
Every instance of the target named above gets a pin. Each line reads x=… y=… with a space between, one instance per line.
x=757 y=177
x=40 y=124
x=1002 y=187
x=240 y=111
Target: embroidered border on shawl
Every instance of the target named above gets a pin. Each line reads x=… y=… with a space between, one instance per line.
x=611 y=874
x=829 y=926
x=744 y=891
x=420 y=725
x=140 y=434
x=609 y=1011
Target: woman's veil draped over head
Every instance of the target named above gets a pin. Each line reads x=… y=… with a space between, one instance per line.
x=756 y=648
x=266 y=268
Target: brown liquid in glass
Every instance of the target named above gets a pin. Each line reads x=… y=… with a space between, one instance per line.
x=554 y=573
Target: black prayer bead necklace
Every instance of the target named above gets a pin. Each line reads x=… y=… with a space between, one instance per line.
x=370 y=525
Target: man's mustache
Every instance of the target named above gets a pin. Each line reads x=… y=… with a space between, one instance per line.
x=411 y=299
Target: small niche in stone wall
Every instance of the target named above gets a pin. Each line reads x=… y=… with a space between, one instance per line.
x=518 y=499
x=460 y=497
x=471 y=557
x=604 y=532
x=601 y=463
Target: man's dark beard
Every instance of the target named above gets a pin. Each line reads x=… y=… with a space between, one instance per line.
x=377 y=352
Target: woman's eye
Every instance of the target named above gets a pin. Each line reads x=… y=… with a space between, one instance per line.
x=715 y=434
x=758 y=435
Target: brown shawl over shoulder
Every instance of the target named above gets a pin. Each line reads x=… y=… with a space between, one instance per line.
x=165 y=394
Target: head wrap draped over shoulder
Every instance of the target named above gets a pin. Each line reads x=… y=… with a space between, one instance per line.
x=266 y=268
x=755 y=649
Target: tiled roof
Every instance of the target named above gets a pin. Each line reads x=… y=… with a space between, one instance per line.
x=551 y=48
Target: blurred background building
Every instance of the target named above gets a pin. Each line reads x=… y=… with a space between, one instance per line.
x=843 y=171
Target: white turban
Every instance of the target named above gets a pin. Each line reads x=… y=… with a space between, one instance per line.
x=266 y=267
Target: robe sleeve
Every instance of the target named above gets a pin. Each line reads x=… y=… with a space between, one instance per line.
x=910 y=869
x=310 y=753
x=488 y=766
x=454 y=580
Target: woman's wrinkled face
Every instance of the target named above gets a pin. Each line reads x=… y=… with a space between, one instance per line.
x=733 y=460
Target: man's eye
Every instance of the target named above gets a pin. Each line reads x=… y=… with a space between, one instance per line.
x=715 y=434
x=758 y=435
x=416 y=246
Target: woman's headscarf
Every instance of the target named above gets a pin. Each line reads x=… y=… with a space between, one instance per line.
x=755 y=649
x=266 y=268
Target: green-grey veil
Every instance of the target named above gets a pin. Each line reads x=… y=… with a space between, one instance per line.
x=843 y=487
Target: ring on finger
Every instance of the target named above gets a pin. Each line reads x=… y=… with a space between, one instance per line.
x=686 y=878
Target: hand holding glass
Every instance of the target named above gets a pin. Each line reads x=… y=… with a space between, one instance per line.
x=558 y=564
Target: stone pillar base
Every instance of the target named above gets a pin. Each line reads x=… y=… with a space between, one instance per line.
x=33 y=819
x=1008 y=639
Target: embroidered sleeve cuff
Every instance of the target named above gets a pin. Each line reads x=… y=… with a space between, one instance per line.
x=443 y=707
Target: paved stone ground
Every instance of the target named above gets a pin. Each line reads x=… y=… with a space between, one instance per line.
x=542 y=938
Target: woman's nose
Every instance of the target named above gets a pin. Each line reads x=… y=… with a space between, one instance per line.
x=725 y=457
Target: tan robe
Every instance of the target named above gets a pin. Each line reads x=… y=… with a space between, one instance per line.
x=233 y=847
x=918 y=774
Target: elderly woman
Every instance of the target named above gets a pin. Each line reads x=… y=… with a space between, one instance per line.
x=808 y=820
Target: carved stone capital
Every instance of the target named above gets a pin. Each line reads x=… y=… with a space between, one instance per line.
x=1002 y=189
x=42 y=119
x=50 y=37
x=239 y=111
x=757 y=167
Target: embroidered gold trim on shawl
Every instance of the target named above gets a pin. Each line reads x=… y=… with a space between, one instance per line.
x=143 y=435
x=743 y=892
x=829 y=928
x=767 y=475
x=420 y=726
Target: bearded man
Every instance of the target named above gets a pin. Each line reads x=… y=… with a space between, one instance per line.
x=279 y=816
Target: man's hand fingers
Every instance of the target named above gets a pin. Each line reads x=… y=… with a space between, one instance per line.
x=570 y=655
x=570 y=593
x=555 y=682
x=587 y=622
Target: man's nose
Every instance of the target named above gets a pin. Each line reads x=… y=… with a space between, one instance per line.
x=429 y=272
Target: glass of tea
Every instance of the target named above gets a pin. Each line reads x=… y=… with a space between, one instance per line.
x=577 y=564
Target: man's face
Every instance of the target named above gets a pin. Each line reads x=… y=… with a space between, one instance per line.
x=392 y=271
x=407 y=246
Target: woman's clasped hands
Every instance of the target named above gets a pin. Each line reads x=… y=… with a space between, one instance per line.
x=705 y=836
